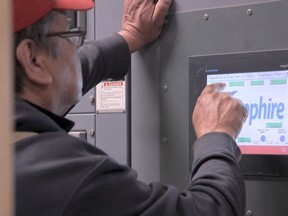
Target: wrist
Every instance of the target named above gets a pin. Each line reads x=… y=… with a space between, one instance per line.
x=133 y=42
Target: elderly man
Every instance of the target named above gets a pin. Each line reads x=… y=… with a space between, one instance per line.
x=57 y=174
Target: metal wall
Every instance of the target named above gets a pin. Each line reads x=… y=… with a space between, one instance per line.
x=155 y=128
x=226 y=28
x=105 y=130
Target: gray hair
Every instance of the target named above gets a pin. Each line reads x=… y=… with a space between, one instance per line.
x=36 y=32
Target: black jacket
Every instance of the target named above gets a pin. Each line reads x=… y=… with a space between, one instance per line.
x=57 y=174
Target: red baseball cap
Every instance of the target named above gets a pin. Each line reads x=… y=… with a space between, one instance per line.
x=27 y=12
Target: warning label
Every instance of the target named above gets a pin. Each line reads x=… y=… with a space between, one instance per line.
x=110 y=97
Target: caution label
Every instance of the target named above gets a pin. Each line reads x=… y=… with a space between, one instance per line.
x=110 y=97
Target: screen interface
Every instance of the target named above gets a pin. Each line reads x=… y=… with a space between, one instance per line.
x=265 y=95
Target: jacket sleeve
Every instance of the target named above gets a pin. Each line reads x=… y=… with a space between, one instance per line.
x=216 y=176
x=216 y=187
x=105 y=58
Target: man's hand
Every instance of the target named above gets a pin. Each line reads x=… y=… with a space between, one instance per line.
x=217 y=111
x=143 y=21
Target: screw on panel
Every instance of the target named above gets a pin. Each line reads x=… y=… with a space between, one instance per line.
x=92 y=132
x=206 y=16
x=91 y=99
x=247 y=44
x=165 y=88
x=249 y=213
x=164 y=140
x=249 y=11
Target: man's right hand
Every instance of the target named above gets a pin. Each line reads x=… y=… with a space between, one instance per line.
x=217 y=111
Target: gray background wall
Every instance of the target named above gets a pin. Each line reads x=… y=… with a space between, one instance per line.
x=153 y=136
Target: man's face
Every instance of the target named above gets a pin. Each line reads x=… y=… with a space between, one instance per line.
x=65 y=69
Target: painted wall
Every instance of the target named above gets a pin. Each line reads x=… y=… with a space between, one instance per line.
x=6 y=148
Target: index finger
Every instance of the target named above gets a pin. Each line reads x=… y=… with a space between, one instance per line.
x=215 y=87
x=161 y=10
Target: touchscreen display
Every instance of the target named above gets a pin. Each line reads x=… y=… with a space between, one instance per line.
x=265 y=95
x=260 y=81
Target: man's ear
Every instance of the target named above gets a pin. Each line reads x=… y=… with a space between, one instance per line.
x=32 y=59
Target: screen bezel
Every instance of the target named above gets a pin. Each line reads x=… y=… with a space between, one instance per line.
x=274 y=60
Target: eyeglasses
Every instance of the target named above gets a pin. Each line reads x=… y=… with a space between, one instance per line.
x=76 y=35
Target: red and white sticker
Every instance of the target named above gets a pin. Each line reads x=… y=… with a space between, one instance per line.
x=110 y=97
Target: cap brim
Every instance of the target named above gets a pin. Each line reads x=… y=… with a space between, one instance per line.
x=28 y=12
x=74 y=4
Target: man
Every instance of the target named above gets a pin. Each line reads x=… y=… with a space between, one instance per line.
x=57 y=174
